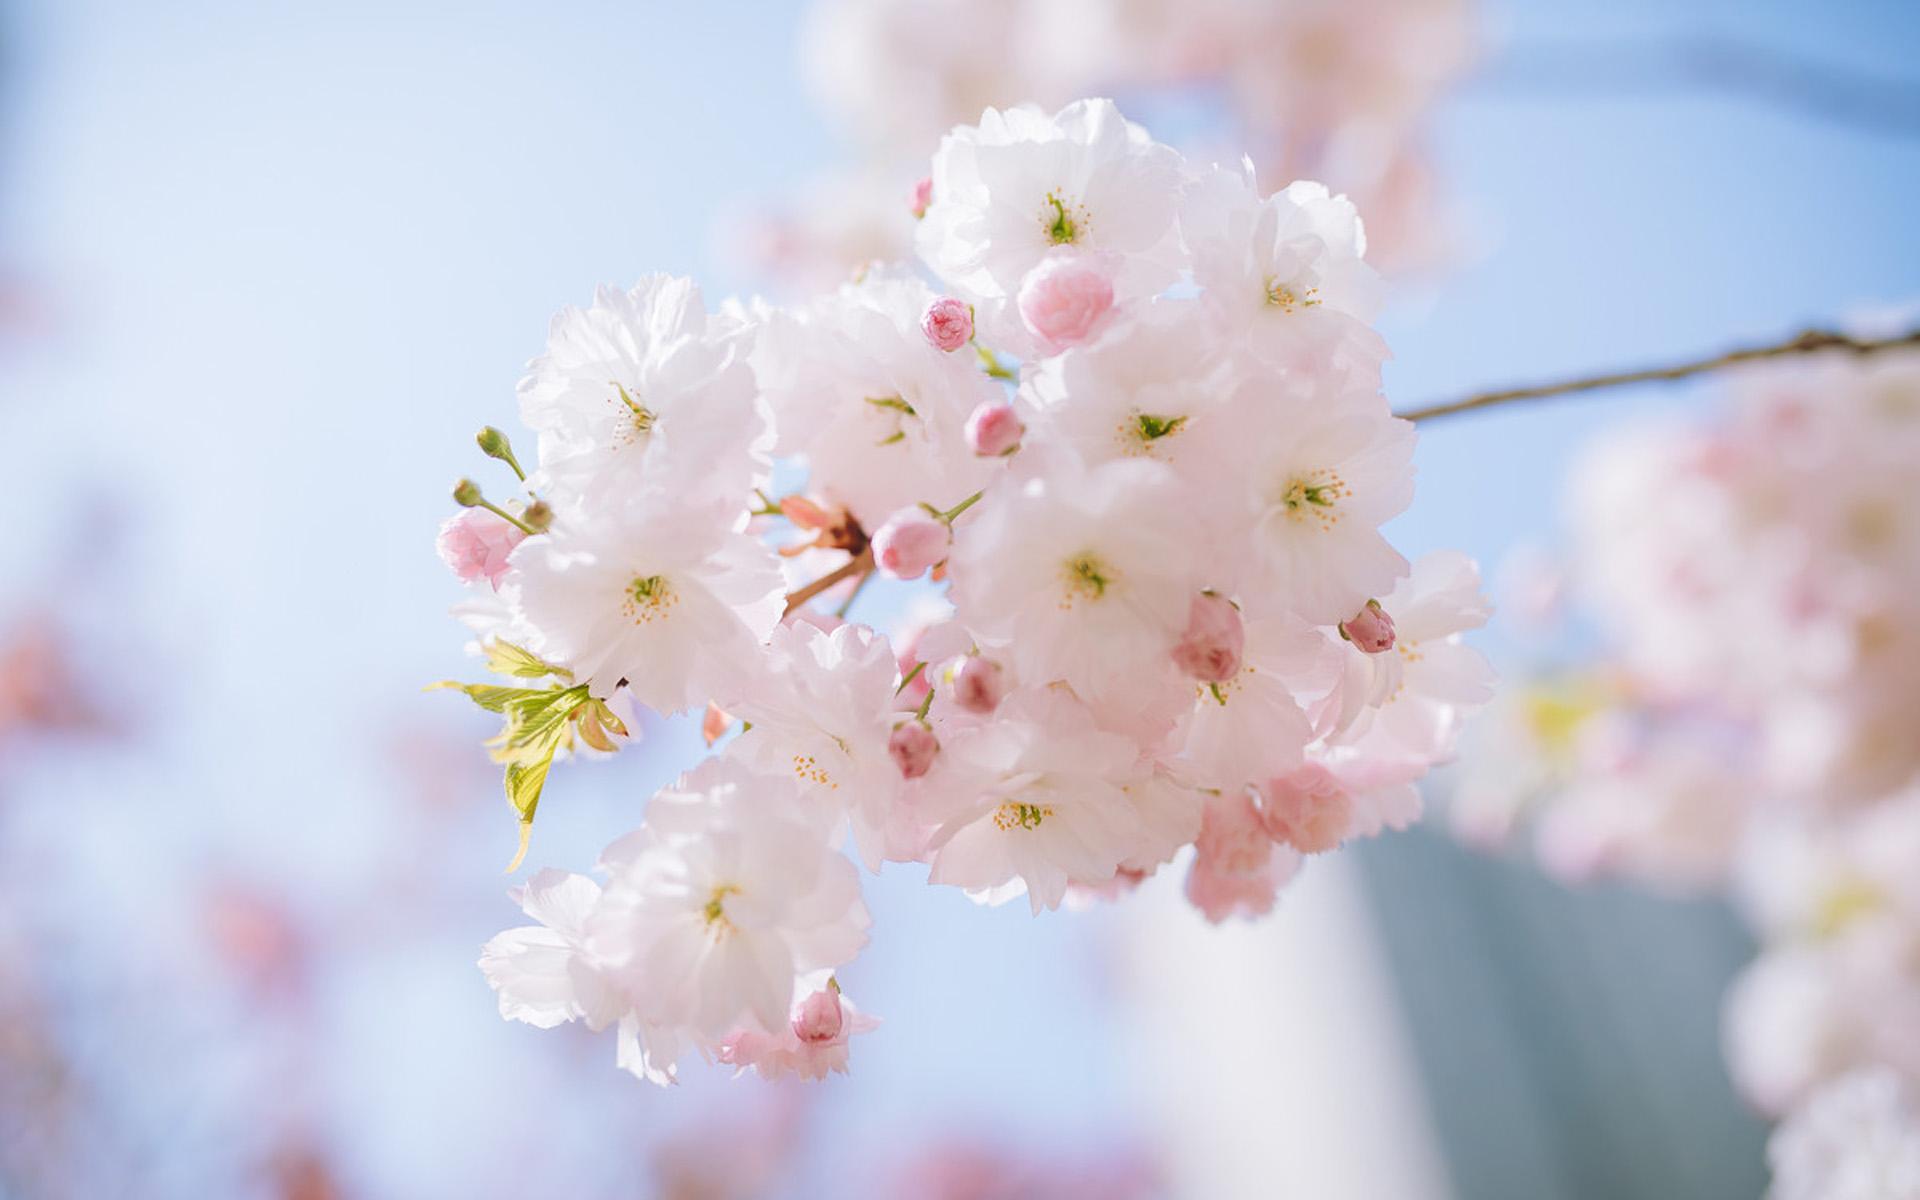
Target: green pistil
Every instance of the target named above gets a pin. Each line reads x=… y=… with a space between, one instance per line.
x=1088 y=574
x=643 y=417
x=1062 y=231
x=716 y=909
x=645 y=589
x=1153 y=428
x=1316 y=494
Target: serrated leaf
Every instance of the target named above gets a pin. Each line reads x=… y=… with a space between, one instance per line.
x=492 y=697
x=505 y=658
x=539 y=723
x=540 y=719
x=597 y=726
x=524 y=784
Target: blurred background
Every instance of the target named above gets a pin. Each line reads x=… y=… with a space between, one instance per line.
x=264 y=269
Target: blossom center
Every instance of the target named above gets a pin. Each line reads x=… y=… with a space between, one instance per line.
x=809 y=770
x=1063 y=220
x=1315 y=495
x=1015 y=815
x=640 y=418
x=1141 y=430
x=716 y=910
x=1222 y=691
x=648 y=598
x=1087 y=578
x=1286 y=298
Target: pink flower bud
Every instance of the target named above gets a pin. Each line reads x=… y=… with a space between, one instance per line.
x=919 y=197
x=1371 y=629
x=1310 y=809
x=1232 y=839
x=1063 y=299
x=475 y=544
x=1210 y=648
x=819 y=1019
x=994 y=429
x=948 y=323
x=979 y=684
x=912 y=748
x=909 y=543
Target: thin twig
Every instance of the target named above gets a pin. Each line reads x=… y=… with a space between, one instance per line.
x=862 y=561
x=1810 y=342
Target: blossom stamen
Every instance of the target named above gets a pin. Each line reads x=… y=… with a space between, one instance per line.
x=1139 y=431
x=649 y=598
x=809 y=770
x=1316 y=494
x=1015 y=815
x=1283 y=297
x=1087 y=578
x=640 y=418
x=1063 y=227
x=715 y=910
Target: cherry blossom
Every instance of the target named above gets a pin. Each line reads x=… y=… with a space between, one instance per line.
x=645 y=385
x=1129 y=451
x=475 y=543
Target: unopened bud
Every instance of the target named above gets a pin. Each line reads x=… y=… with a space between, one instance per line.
x=909 y=543
x=1232 y=838
x=1210 y=648
x=819 y=1019
x=466 y=493
x=1063 y=299
x=475 y=544
x=1371 y=629
x=919 y=196
x=979 y=684
x=494 y=444
x=912 y=748
x=538 y=516
x=994 y=429
x=1310 y=809
x=948 y=323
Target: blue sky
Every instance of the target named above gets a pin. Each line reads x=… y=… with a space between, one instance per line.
x=295 y=256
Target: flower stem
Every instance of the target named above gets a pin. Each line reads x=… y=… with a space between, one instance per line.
x=862 y=561
x=497 y=511
x=1811 y=342
x=990 y=362
x=909 y=677
x=953 y=514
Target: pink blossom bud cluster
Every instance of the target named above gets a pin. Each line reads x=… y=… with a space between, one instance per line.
x=1148 y=499
x=1748 y=723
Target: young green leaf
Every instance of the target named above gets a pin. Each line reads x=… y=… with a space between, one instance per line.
x=505 y=658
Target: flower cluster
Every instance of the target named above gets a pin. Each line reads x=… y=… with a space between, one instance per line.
x=1753 y=727
x=1133 y=425
x=1324 y=89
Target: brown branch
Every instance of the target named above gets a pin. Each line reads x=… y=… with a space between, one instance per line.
x=1810 y=342
x=860 y=564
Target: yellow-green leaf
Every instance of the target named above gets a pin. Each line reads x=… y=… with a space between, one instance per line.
x=505 y=658
x=492 y=697
x=524 y=785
